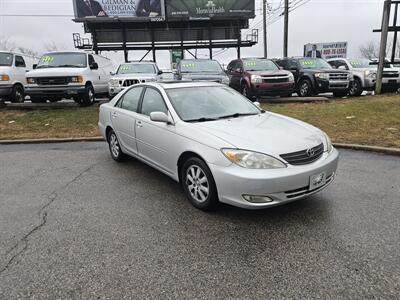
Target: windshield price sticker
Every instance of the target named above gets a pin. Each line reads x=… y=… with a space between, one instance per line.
x=125 y=68
x=189 y=65
x=308 y=63
x=47 y=59
x=250 y=63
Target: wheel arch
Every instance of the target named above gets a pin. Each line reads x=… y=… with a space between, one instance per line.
x=108 y=130
x=183 y=158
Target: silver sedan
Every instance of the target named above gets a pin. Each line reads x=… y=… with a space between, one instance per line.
x=220 y=146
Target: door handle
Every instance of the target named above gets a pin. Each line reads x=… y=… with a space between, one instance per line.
x=114 y=115
x=139 y=124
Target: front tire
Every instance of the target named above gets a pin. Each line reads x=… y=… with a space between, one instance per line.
x=247 y=93
x=199 y=185
x=115 y=147
x=88 y=97
x=18 y=94
x=305 y=88
x=356 y=88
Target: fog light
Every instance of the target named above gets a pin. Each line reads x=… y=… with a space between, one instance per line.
x=257 y=199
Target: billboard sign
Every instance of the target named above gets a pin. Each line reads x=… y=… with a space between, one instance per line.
x=153 y=9
x=176 y=57
x=326 y=50
x=205 y=9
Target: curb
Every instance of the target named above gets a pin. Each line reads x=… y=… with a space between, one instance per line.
x=51 y=141
x=383 y=150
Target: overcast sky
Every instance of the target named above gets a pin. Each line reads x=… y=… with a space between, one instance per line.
x=317 y=21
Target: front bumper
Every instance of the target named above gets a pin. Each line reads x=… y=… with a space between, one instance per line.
x=324 y=86
x=280 y=185
x=115 y=90
x=5 y=90
x=273 y=89
x=56 y=91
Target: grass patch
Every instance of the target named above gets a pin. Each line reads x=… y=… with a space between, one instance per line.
x=371 y=120
x=59 y=123
x=368 y=120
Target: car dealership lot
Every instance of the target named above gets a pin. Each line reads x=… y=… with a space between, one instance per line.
x=74 y=224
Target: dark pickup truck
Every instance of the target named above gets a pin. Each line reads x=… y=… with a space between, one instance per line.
x=314 y=76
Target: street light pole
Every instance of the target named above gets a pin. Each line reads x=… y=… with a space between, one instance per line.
x=286 y=29
x=265 y=28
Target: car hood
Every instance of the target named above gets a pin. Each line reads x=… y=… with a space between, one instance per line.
x=5 y=69
x=269 y=73
x=56 y=72
x=204 y=76
x=330 y=71
x=266 y=133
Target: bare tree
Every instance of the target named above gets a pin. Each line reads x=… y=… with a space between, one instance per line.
x=370 y=50
x=53 y=46
x=28 y=52
x=6 y=43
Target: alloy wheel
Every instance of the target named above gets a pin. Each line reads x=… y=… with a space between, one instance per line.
x=114 y=145
x=197 y=184
x=304 y=89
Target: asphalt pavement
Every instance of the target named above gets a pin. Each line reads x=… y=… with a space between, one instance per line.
x=76 y=225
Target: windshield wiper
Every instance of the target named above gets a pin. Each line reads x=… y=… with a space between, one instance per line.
x=68 y=66
x=237 y=115
x=201 y=120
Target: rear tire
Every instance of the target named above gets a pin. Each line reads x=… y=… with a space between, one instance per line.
x=199 y=185
x=115 y=147
x=356 y=88
x=18 y=94
x=89 y=97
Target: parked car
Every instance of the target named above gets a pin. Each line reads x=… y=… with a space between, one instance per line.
x=13 y=67
x=132 y=73
x=75 y=75
x=255 y=77
x=314 y=76
x=201 y=70
x=219 y=145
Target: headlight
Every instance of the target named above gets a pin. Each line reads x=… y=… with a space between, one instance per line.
x=370 y=74
x=252 y=160
x=351 y=77
x=291 y=77
x=114 y=82
x=322 y=75
x=328 y=143
x=77 y=79
x=31 y=80
x=225 y=80
x=256 y=79
x=4 y=78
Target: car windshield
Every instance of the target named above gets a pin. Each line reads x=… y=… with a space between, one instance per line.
x=314 y=63
x=206 y=66
x=59 y=60
x=6 y=59
x=259 y=65
x=360 y=63
x=136 y=68
x=209 y=103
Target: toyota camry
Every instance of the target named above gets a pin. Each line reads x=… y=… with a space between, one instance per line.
x=219 y=145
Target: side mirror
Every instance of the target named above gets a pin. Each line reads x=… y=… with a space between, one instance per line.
x=293 y=69
x=94 y=66
x=342 y=68
x=258 y=104
x=34 y=66
x=160 y=117
x=239 y=70
x=112 y=73
x=160 y=72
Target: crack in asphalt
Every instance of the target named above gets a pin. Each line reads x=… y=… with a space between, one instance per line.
x=22 y=244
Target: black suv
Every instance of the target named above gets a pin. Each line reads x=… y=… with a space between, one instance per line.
x=314 y=76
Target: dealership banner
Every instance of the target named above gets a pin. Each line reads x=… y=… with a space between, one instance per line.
x=204 y=9
x=119 y=8
x=326 y=50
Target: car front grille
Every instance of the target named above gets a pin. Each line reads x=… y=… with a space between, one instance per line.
x=304 y=191
x=338 y=76
x=276 y=79
x=129 y=82
x=52 y=80
x=390 y=75
x=304 y=157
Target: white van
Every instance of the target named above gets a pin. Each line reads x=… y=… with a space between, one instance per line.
x=74 y=75
x=13 y=67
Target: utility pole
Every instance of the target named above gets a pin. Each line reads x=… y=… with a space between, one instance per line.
x=384 y=36
x=286 y=29
x=265 y=28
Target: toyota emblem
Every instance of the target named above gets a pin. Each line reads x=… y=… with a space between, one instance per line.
x=310 y=152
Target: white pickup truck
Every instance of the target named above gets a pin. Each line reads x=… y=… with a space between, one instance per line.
x=74 y=75
x=13 y=67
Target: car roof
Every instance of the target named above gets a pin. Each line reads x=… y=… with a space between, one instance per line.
x=183 y=84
